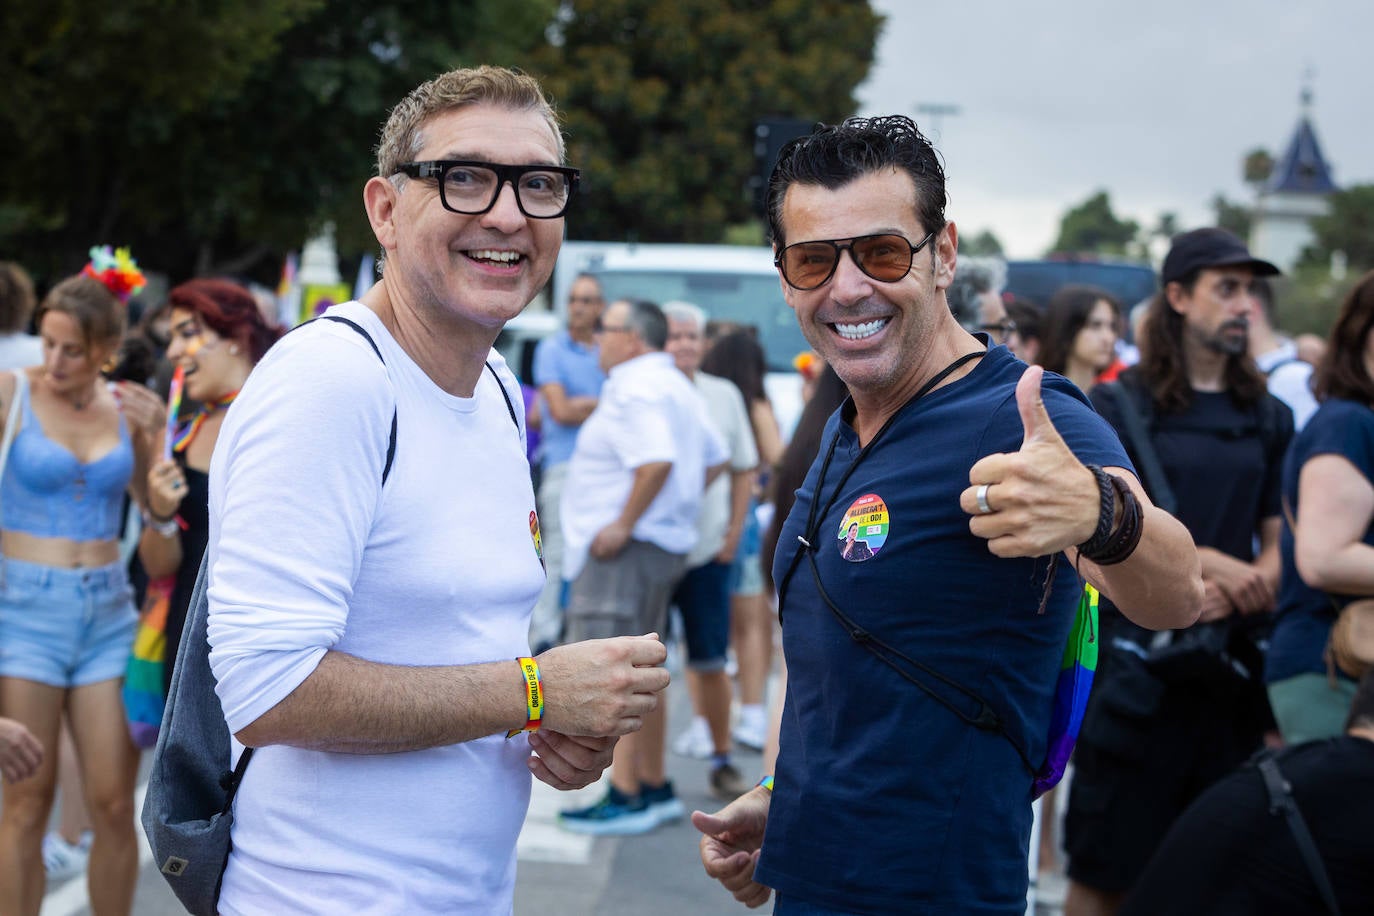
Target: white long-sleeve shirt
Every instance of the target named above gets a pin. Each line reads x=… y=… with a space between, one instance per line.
x=310 y=553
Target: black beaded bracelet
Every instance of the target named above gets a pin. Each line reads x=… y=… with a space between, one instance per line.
x=1107 y=512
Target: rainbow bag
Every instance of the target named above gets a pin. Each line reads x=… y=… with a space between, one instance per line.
x=144 y=699
x=1071 y=690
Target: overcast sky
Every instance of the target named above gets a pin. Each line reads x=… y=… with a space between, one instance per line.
x=1157 y=102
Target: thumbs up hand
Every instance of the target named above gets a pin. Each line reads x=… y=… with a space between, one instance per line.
x=1035 y=501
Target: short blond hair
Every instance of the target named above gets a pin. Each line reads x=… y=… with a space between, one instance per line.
x=402 y=136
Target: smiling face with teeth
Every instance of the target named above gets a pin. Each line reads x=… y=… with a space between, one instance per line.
x=879 y=336
x=469 y=273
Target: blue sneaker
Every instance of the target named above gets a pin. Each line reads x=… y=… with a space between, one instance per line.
x=662 y=803
x=617 y=814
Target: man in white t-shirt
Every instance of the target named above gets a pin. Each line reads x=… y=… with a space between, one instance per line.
x=1289 y=378
x=703 y=596
x=370 y=590
x=642 y=461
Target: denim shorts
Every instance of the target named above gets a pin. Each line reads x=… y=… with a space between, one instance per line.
x=746 y=576
x=65 y=627
x=703 y=599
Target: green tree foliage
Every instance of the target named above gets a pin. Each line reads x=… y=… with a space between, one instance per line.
x=93 y=96
x=1256 y=167
x=1348 y=226
x=213 y=137
x=660 y=101
x=1093 y=227
x=1232 y=216
x=982 y=244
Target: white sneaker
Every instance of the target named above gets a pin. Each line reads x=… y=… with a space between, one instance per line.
x=751 y=731
x=695 y=741
x=63 y=860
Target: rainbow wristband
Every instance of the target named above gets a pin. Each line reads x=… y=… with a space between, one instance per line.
x=767 y=783
x=534 y=696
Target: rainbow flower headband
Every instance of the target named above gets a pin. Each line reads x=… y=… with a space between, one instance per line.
x=117 y=270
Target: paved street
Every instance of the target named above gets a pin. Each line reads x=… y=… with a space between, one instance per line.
x=559 y=872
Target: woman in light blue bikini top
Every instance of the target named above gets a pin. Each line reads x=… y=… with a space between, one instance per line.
x=48 y=492
x=75 y=444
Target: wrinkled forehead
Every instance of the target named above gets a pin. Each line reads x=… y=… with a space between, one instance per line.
x=487 y=132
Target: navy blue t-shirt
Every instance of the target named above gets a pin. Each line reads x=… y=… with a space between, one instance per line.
x=1305 y=615
x=885 y=801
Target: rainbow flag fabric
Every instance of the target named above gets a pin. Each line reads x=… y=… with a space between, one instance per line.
x=143 y=696
x=1071 y=691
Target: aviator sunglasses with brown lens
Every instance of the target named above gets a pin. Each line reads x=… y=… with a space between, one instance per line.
x=886 y=258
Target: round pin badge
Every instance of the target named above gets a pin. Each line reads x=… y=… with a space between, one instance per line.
x=863 y=530
x=534 y=536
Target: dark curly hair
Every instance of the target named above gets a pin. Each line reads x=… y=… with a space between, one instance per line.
x=834 y=155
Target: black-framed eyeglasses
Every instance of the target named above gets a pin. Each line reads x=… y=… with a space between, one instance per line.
x=886 y=258
x=1001 y=329
x=471 y=187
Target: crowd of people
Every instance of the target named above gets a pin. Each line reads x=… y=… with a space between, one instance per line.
x=439 y=615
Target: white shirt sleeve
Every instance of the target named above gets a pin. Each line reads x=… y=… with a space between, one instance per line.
x=295 y=483
x=744 y=454
x=1292 y=384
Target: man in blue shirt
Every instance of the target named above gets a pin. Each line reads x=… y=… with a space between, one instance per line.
x=923 y=667
x=567 y=372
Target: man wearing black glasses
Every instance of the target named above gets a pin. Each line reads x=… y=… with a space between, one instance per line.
x=923 y=667
x=375 y=550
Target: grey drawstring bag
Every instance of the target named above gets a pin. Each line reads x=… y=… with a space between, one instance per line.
x=188 y=811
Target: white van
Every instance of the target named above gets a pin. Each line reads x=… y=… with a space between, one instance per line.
x=730 y=282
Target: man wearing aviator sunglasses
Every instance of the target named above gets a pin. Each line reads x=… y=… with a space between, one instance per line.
x=924 y=665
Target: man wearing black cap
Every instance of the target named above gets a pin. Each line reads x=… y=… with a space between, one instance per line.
x=1174 y=712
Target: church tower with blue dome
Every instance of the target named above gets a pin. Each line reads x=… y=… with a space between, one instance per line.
x=1296 y=191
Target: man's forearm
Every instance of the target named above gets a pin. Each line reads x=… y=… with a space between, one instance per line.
x=352 y=706
x=648 y=482
x=566 y=409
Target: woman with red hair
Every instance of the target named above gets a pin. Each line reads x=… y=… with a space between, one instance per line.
x=218 y=334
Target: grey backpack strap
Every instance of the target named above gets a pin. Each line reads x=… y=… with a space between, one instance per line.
x=1281 y=801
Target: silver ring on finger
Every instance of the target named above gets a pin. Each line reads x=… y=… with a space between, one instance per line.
x=981 y=496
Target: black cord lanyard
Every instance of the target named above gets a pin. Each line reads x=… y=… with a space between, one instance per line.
x=986 y=718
